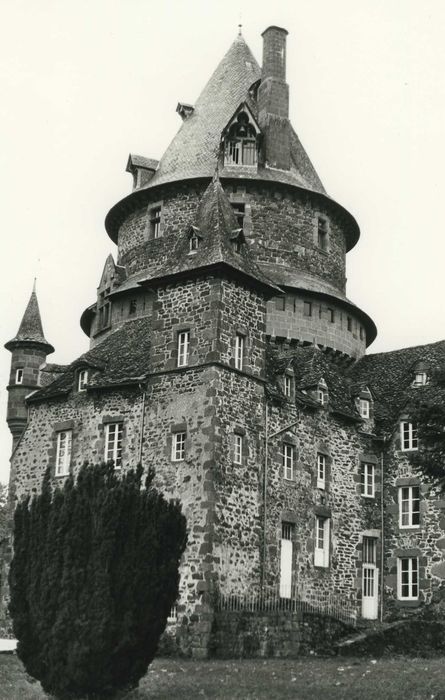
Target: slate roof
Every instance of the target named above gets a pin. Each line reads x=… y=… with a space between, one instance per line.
x=135 y=161
x=30 y=329
x=121 y=358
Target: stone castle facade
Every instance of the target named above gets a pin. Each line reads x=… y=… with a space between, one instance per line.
x=225 y=353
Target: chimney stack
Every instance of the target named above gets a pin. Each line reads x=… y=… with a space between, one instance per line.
x=273 y=99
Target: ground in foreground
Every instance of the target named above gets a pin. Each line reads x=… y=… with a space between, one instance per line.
x=302 y=679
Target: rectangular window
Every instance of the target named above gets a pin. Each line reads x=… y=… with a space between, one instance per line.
x=408 y=435
x=63 y=453
x=113 y=443
x=321 y=471
x=280 y=303
x=19 y=376
x=408 y=578
x=322 y=395
x=367 y=478
x=238 y=451
x=322 y=233
x=239 y=351
x=307 y=308
x=420 y=379
x=240 y=212
x=349 y=323
x=331 y=315
x=409 y=506
x=132 y=307
x=183 y=348
x=321 y=553
x=178 y=447
x=369 y=552
x=83 y=380
x=364 y=408
x=288 y=461
x=287 y=386
x=155 y=222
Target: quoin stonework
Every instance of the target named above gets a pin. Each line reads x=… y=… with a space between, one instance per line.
x=225 y=353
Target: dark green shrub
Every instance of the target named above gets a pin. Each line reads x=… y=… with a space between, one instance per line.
x=93 y=578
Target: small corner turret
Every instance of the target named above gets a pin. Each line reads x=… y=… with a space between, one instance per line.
x=29 y=349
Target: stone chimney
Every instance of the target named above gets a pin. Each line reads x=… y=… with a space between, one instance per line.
x=273 y=99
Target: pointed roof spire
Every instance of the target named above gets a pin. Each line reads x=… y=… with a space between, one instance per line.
x=30 y=330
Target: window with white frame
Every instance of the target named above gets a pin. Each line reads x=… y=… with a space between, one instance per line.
x=321 y=552
x=63 y=452
x=364 y=408
x=113 y=443
x=19 y=376
x=287 y=386
x=238 y=448
x=173 y=615
x=322 y=394
x=194 y=243
x=408 y=435
x=183 y=348
x=288 y=461
x=178 y=446
x=239 y=351
x=409 y=506
x=420 y=379
x=407 y=578
x=83 y=380
x=321 y=470
x=367 y=480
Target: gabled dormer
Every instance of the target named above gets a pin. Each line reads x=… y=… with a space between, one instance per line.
x=195 y=238
x=364 y=403
x=420 y=374
x=241 y=139
x=322 y=393
x=141 y=168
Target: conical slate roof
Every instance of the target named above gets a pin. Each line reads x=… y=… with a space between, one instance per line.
x=30 y=330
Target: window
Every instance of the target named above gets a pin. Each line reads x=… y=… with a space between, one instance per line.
x=183 y=348
x=322 y=233
x=237 y=243
x=83 y=380
x=132 y=307
x=331 y=315
x=104 y=309
x=63 y=452
x=238 y=451
x=287 y=386
x=280 y=303
x=178 y=447
x=322 y=395
x=409 y=506
x=307 y=308
x=113 y=443
x=19 y=376
x=239 y=351
x=408 y=435
x=408 y=578
x=288 y=461
x=155 y=222
x=364 y=408
x=240 y=143
x=194 y=243
x=286 y=559
x=367 y=480
x=420 y=379
x=173 y=615
x=321 y=471
x=240 y=212
x=321 y=553
x=349 y=323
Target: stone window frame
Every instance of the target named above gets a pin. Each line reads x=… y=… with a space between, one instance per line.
x=151 y=225
x=183 y=347
x=322 y=392
x=409 y=483
x=322 y=448
x=178 y=442
x=240 y=197
x=288 y=440
x=307 y=307
x=61 y=427
x=239 y=433
x=319 y=217
x=240 y=333
x=409 y=598
x=322 y=555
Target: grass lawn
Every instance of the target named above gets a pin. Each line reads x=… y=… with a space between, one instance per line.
x=302 y=679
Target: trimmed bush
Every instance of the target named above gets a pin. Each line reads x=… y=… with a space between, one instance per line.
x=93 y=578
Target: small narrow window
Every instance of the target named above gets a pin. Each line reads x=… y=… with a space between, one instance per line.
x=104 y=309
x=362 y=333
x=238 y=449
x=155 y=222
x=322 y=233
x=183 y=348
x=287 y=386
x=322 y=395
x=83 y=380
x=321 y=471
x=349 y=323
x=280 y=303
x=367 y=480
x=408 y=436
x=307 y=308
x=19 y=376
x=240 y=212
x=178 y=447
x=173 y=615
x=321 y=553
x=132 y=308
x=408 y=578
x=288 y=461
x=194 y=243
x=409 y=506
x=63 y=452
x=364 y=408
x=286 y=559
x=113 y=443
x=331 y=315
x=239 y=351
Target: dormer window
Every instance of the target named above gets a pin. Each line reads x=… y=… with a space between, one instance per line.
x=241 y=146
x=82 y=380
x=132 y=308
x=420 y=379
x=322 y=393
x=364 y=408
x=194 y=243
x=240 y=212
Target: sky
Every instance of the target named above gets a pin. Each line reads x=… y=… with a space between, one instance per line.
x=86 y=82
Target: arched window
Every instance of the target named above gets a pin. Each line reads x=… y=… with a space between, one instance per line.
x=241 y=142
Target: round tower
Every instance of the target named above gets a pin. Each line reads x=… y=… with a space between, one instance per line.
x=29 y=349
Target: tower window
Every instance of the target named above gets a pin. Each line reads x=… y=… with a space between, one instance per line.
x=239 y=351
x=19 y=376
x=83 y=380
x=322 y=233
x=113 y=443
x=307 y=308
x=349 y=323
x=322 y=394
x=241 y=142
x=287 y=386
x=155 y=222
x=183 y=348
x=331 y=315
x=104 y=309
x=238 y=452
x=63 y=453
x=240 y=212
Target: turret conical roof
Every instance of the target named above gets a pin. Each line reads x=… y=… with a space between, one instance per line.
x=30 y=330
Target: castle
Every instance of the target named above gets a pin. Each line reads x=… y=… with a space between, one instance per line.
x=225 y=352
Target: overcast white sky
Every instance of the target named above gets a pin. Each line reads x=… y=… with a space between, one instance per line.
x=85 y=82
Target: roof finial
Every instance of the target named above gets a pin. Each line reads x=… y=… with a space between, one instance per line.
x=240 y=24
x=34 y=285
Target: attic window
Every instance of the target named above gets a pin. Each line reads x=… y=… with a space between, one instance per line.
x=132 y=307
x=241 y=142
x=420 y=378
x=194 y=243
x=322 y=393
x=83 y=380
